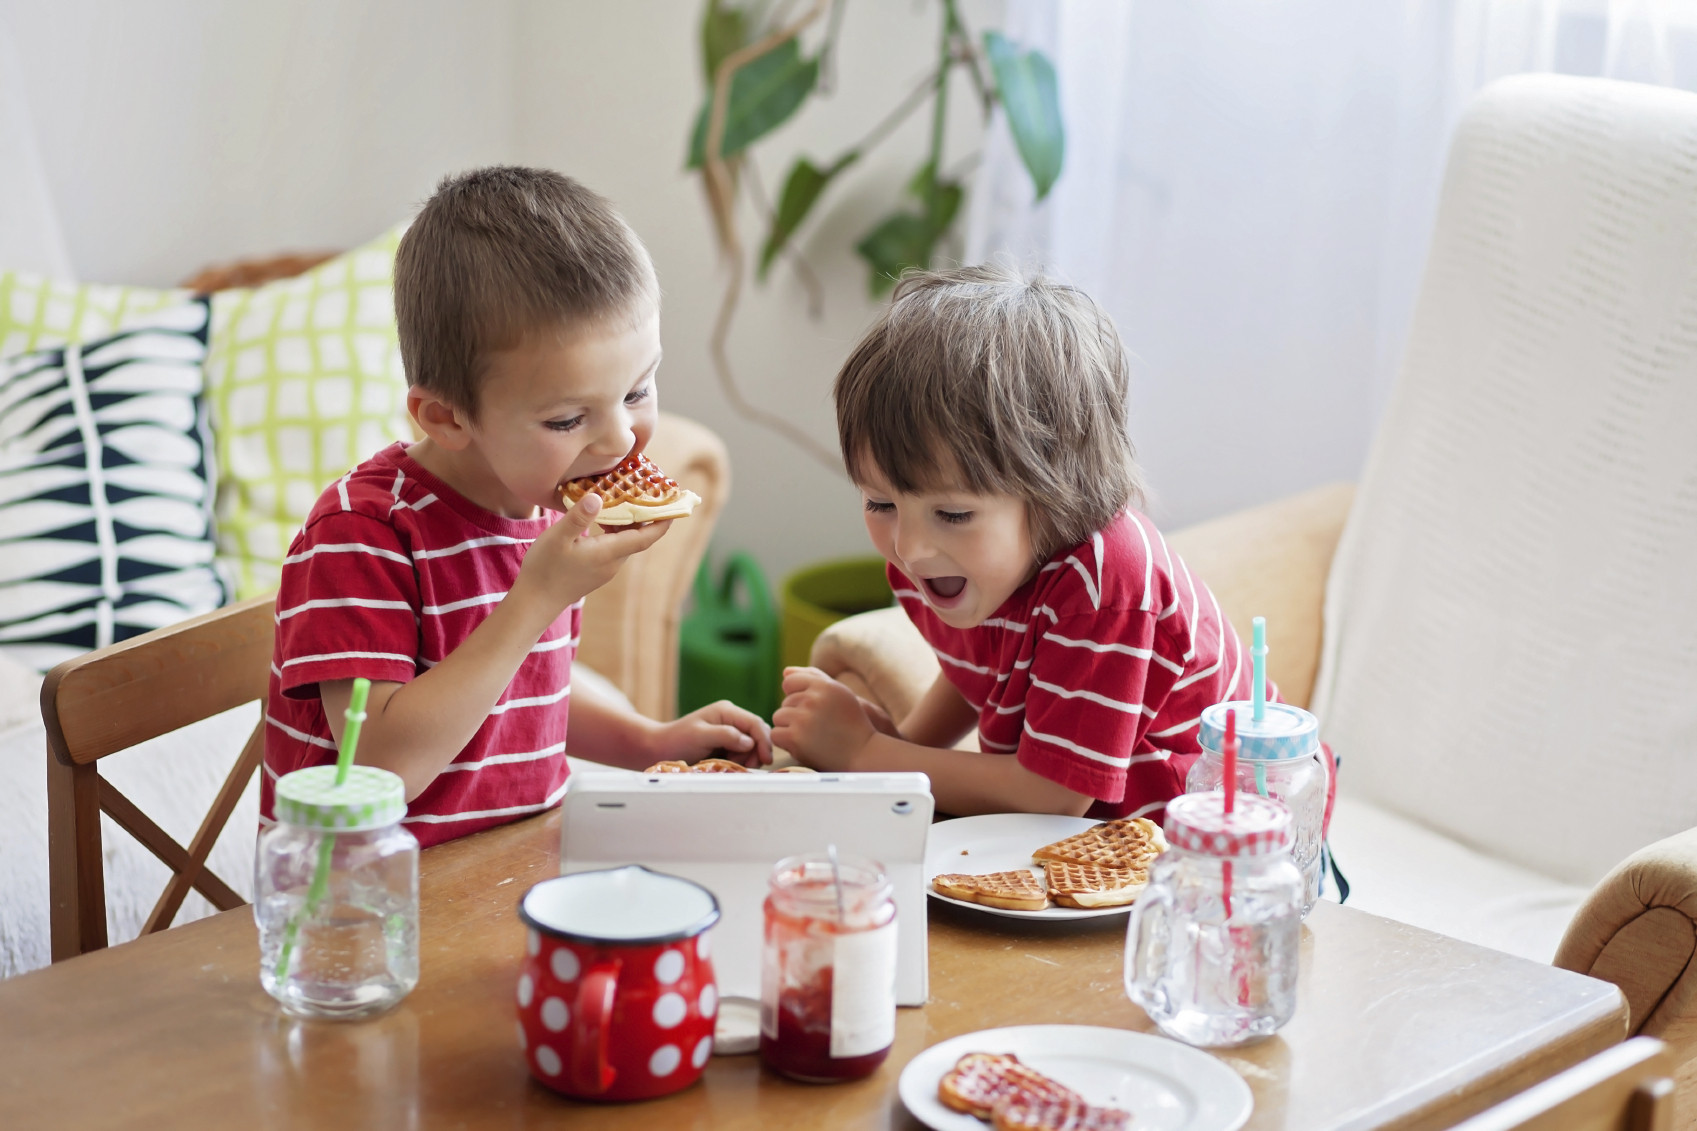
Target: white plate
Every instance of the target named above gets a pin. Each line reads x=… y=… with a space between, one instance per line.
x=1002 y=842
x=1165 y=1085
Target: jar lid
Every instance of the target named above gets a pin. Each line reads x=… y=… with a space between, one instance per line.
x=1284 y=731
x=1256 y=826
x=370 y=798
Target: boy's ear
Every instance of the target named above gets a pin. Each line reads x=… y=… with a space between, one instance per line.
x=441 y=422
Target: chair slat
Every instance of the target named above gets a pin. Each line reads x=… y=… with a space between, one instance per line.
x=157 y=841
x=165 y=911
x=1624 y=1088
x=157 y=683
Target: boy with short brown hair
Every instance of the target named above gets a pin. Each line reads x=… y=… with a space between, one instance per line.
x=528 y=315
x=984 y=419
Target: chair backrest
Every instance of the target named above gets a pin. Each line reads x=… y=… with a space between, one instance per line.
x=109 y=700
x=1627 y=1088
x=1511 y=618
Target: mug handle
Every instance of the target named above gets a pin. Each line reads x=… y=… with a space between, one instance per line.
x=1147 y=930
x=591 y=1035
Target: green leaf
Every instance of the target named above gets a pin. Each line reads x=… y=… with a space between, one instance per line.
x=1032 y=106
x=900 y=241
x=801 y=190
x=724 y=29
x=765 y=92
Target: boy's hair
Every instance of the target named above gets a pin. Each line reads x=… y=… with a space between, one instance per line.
x=1016 y=385
x=500 y=253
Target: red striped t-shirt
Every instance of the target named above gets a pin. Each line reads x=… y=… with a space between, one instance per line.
x=1095 y=671
x=392 y=571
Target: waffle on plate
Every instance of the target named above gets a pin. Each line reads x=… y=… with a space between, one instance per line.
x=981 y=1080
x=1089 y=885
x=705 y=766
x=635 y=491
x=1015 y=891
x=1021 y=1114
x=1131 y=842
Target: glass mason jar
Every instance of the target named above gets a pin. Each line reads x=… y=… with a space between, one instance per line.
x=1212 y=945
x=828 y=969
x=336 y=894
x=1278 y=757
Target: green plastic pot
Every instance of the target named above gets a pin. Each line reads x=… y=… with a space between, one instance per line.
x=728 y=644
x=817 y=596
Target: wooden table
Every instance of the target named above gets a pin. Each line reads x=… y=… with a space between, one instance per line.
x=1395 y=1027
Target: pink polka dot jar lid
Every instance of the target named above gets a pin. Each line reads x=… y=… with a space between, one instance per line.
x=629 y=906
x=1257 y=826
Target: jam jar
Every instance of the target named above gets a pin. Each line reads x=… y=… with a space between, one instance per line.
x=828 y=968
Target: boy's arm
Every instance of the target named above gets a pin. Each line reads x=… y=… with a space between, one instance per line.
x=941 y=718
x=823 y=725
x=609 y=732
x=417 y=728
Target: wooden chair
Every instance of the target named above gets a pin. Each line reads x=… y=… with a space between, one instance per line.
x=1626 y=1088
x=108 y=700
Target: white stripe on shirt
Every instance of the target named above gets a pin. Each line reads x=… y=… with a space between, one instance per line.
x=1180 y=729
x=1148 y=564
x=504 y=759
x=1081 y=751
x=1116 y=704
x=342 y=490
x=948 y=659
x=469 y=602
x=1126 y=649
x=532 y=701
x=347 y=548
x=481 y=814
x=349 y=656
x=472 y=544
x=300 y=736
x=343 y=603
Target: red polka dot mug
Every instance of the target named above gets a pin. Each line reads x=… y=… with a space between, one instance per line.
x=616 y=997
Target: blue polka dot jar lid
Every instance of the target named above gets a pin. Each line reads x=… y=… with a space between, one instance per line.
x=370 y=798
x=1284 y=732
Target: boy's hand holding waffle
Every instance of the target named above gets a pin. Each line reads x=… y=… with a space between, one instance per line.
x=1106 y=865
x=635 y=491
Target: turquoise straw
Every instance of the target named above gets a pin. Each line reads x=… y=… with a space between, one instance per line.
x=320 y=886
x=1258 y=658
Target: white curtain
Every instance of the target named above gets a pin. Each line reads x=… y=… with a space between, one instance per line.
x=1249 y=190
x=30 y=237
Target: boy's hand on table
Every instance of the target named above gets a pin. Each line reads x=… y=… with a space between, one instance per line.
x=822 y=722
x=567 y=563
x=718 y=730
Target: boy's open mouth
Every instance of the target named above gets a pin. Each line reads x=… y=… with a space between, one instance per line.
x=945 y=588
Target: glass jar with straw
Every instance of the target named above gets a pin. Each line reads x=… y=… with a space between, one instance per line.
x=828 y=970
x=336 y=887
x=1279 y=756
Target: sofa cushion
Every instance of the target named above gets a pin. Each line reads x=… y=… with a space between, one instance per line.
x=305 y=380
x=36 y=311
x=1406 y=871
x=105 y=496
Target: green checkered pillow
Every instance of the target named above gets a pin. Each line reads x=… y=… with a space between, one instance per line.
x=305 y=380
x=38 y=313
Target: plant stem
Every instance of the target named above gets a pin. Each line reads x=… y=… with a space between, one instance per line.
x=939 y=109
x=894 y=118
x=828 y=49
x=967 y=54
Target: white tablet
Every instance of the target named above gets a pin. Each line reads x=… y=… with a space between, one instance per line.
x=725 y=831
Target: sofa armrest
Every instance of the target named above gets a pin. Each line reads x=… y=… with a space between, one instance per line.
x=1272 y=561
x=630 y=625
x=1638 y=929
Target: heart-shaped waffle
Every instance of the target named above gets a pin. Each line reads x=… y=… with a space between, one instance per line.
x=1013 y=891
x=635 y=491
x=1127 y=843
x=1020 y=1113
x=981 y=1081
x=1090 y=885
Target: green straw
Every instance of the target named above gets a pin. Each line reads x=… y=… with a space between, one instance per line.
x=1258 y=657
x=355 y=715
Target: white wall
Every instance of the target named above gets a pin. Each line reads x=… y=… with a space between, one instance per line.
x=176 y=133
x=607 y=93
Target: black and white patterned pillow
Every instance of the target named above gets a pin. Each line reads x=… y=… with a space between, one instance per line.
x=105 y=489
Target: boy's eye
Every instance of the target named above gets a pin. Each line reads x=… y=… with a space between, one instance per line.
x=637 y=395
x=954 y=516
x=564 y=425
x=875 y=507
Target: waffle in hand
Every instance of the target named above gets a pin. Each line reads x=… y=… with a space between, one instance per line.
x=635 y=491
x=1021 y=1113
x=705 y=766
x=1089 y=885
x=1131 y=842
x=980 y=1081
x=1014 y=891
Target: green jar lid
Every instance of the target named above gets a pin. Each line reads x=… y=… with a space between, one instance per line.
x=370 y=798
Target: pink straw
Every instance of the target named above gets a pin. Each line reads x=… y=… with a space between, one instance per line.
x=1229 y=750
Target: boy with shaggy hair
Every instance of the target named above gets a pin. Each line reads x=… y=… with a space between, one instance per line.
x=529 y=325
x=984 y=419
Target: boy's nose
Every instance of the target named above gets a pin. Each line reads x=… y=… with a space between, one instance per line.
x=911 y=545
